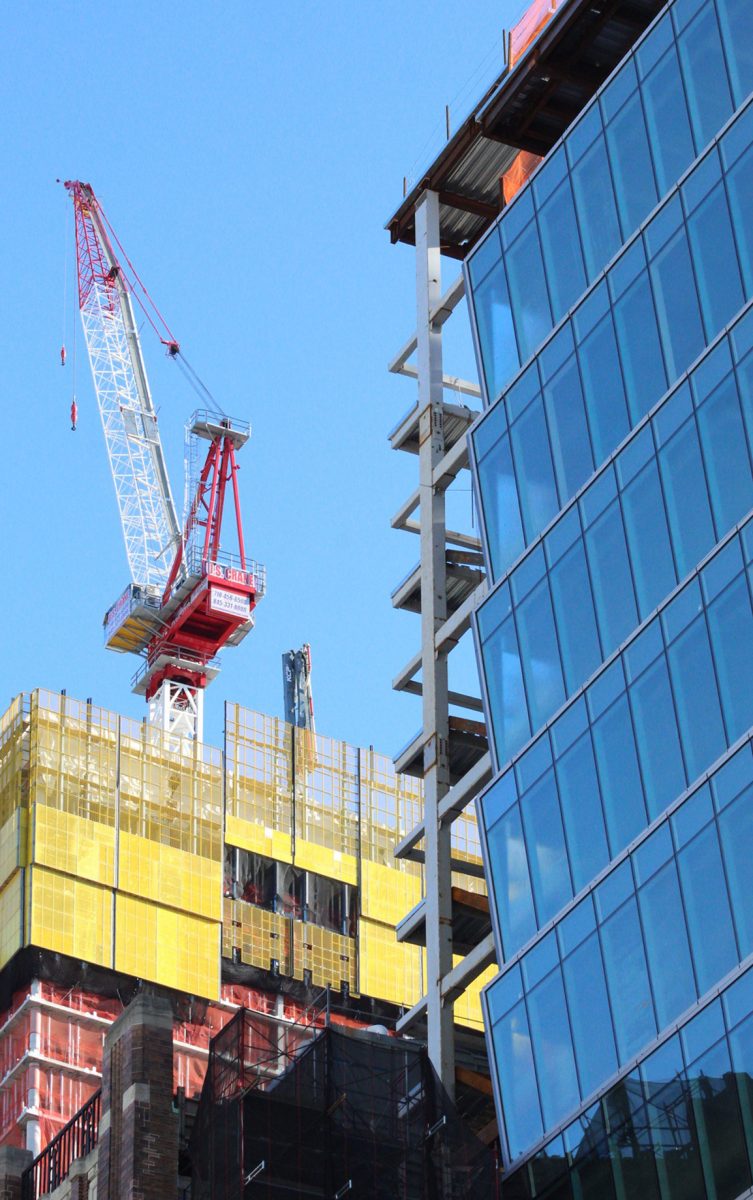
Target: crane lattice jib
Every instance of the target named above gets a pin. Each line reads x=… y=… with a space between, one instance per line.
x=147 y=513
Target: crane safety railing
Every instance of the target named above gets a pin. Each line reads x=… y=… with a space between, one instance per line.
x=189 y=658
x=75 y=1140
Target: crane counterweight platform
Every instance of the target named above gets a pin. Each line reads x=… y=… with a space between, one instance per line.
x=187 y=597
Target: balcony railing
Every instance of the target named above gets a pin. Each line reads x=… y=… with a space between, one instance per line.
x=75 y=1140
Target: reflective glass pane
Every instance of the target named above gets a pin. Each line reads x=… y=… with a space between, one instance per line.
x=602 y=384
x=705 y=75
x=496 y=334
x=712 y=937
x=538 y=492
x=687 y=498
x=576 y=620
x=540 y=656
x=547 y=854
x=612 y=581
x=731 y=626
x=512 y=882
x=627 y=980
x=666 y=109
x=590 y=1016
x=561 y=246
x=553 y=1049
x=667 y=945
x=638 y=340
x=581 y=808
x=736 y=831
x=725 y=452
x=620 y=779
x=530 y=301
x=568 y=427
x=740 y=189
x=504 y=686
x=501 y=508
x=648 y=539
x=715 y=260
x=657 y=736
x=696 y=698
x=632 y=169
x=736 y=19
x=595 y=204
x=512 y=1050
x=677 y=304
x=719 y=1124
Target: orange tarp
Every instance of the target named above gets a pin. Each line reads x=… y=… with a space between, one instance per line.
x=523 y=165
x=530 y=26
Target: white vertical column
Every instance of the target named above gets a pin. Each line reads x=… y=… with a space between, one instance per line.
x=433 y=614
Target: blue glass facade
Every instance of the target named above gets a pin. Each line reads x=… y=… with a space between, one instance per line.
x=612 y=309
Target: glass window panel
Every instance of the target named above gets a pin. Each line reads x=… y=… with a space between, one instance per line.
x=605 y=394
x=596 y=208
x=740 y=189
x=693 y=814
x=590 y=1015
x=719 y=1124
x=504 y=686
x=553 y=1049
x=705 y=75
x=612 y=583
x=632 y=169
x=736 y=19
x=648 y=539
x=503 y=993
x=696 y=698
x=512 y=881
x=501 y=508
x=715 y=260
x=736 y=832
x=652 y=853
x=538 y=492
x=677 y=1154
x=530 y=301
x=485 y=256
x=540 y=656
x=561 y=246
x=687 y=497
x=496 y=334
x=640 y=351
x=677 y=304
x=571 y=443
x=733 y=778
x=741 y=1046
x=731 y=626
x=667 y=945
x=620 y=779
x=547 y=854
x=576 y=620
x=514 y=1061
x=666 y=109
x=627 y=980
x=725 y=451
x=581 y=808
x=658 y=740
x=712 y=937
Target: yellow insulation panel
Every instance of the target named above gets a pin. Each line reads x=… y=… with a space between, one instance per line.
x=73 y=757
x=387 y=970
x=170 y=876
x=259 y=839
x=11 y=917
x=387 y=893
x=257 y=935
x=330 y=957
x=85 y=848
x=324 y=861
x=467 y=1009
x=71 y=916
x=12 y=844
x=164 y=946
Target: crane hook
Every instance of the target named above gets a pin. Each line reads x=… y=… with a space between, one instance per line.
x=62 y=356
x=74 y=415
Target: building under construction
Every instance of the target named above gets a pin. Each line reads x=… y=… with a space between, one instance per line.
x=257 y=875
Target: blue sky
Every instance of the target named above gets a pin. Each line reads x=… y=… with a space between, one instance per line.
x=248 y=156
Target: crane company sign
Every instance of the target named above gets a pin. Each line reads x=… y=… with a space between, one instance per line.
x=231 y=574
x=224 y=601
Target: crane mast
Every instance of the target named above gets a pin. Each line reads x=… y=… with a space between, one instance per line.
x=187 y=596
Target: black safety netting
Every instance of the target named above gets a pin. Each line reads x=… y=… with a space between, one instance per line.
x=351 y=1114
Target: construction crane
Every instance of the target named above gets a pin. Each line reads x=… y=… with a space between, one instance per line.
x=187 y=596
x=296 y=684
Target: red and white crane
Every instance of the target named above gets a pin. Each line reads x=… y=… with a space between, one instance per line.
x=187 y=596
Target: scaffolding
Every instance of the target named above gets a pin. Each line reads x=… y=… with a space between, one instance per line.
x=350 y=1113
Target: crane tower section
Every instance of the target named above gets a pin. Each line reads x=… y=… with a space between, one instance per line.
x=188 y=596
x=147 y=512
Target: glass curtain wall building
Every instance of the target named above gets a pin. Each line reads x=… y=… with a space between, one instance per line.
x=612 y=311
